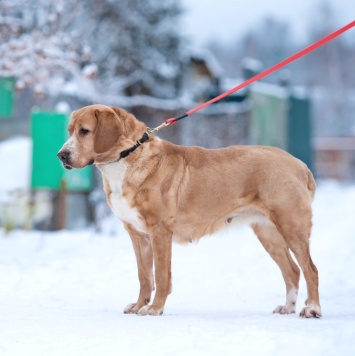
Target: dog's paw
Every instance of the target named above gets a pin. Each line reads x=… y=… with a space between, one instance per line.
x=285 y=309
x=150 y=310
x=311 y=312
x=132 y=308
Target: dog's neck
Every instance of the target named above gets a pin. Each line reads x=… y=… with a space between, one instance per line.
x=143 y=139
x=126 y=152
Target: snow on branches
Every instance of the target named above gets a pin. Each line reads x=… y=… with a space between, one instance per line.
x=131 y=47
x=36 y=48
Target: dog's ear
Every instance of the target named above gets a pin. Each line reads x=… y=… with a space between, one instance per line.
x=132 y=127
x=108 y=130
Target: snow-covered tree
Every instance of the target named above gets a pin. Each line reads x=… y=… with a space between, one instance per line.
x=135 y=43
x=36 y=46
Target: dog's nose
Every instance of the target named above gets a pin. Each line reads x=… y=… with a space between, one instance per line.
x=63 y=156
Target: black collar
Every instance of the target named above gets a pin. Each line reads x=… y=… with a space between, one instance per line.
x=139 y=142
x=126 y=152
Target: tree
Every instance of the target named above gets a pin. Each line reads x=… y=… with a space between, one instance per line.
x=269 y=42
x=36 y=46
x=331 y=68
x=135 y=44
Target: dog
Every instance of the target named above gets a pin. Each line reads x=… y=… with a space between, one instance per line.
x=164 y=192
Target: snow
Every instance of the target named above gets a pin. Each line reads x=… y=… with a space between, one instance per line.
x=64 y=293
x=16 y=177
x=252 y=64
x=90 y=71
x=213 y=64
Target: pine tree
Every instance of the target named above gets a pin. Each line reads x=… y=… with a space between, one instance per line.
x=136 y=45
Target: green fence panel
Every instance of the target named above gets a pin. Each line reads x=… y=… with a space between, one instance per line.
x=282 y=121
x=300 y=129
x=49 y=132
x=268 y=124
x=7 y=94
x=78 y=179
x=48 y=136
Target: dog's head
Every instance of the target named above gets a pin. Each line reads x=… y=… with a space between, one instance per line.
x=97 y=134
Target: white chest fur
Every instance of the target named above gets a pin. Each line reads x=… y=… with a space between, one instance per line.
x=114 y=173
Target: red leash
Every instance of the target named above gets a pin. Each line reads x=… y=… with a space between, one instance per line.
x=266 y=72
x=263 y=74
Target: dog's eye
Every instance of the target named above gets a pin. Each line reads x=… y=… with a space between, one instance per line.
x=83 y=132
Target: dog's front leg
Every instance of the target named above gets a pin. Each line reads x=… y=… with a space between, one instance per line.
x=161 y=240
x=144 y=255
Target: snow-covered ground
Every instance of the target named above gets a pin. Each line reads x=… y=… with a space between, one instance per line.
x=15 y=163
x=63 y=293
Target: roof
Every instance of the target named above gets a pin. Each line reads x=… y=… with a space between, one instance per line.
x=211 y=61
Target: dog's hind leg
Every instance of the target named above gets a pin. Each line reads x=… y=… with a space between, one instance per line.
x=296 y=229
x=144 y=255
x=276 y=246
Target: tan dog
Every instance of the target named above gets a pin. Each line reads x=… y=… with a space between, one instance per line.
x=164 y=192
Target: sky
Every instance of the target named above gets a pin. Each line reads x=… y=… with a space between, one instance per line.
x=226 y=20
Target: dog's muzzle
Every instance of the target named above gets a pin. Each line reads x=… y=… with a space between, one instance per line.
x=64 y=157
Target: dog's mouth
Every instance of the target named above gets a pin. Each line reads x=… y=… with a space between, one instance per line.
x=67 y=166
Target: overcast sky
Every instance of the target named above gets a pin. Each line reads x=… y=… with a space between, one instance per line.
x=225 y=20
